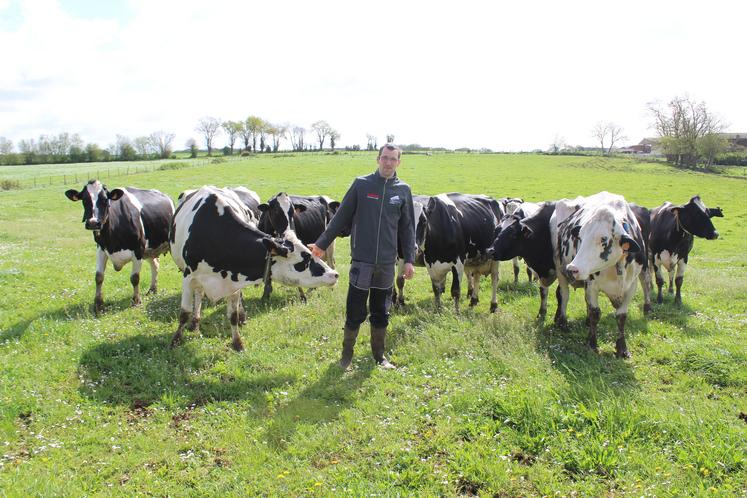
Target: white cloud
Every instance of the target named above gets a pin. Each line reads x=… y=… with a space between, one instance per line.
x=480 y=74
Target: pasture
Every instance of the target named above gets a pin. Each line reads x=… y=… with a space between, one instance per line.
x=493 y=405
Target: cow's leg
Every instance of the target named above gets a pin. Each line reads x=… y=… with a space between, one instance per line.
x=302 y=295
x=473 y=287
x=101 y=259
x=197 y=307
x=399 y=292
x=645 y=279
x=267 y=290
x=233 y=316
x=137 y=265
x=242 y=310
x=659 y=283
x=562 y=294
x=495 y=273
x=530 y=276
x=187 y=305
x=438 y=283
x=517 y=270
x=457 y=271
x=681 y=267
x=670 y=271
x=621 y=314
x=543 y=302
x=594 y=314
x=154 y=265
x=438 y=289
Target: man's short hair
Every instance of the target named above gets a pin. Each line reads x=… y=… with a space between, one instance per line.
x=390 y=147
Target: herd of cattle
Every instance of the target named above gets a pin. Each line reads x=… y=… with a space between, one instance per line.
x=224 y=239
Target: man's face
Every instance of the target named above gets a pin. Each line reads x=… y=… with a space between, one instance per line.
x=388 y=162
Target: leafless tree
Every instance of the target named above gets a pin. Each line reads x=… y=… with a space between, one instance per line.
x=334 y=136
x=209 y=127
x=371 y=142
x=6 y=146
x=607 y=131
x=296 y=136
x=278 y=132
x=322 y=130
x=162 y=142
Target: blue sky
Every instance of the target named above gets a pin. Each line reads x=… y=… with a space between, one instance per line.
x=507 y=76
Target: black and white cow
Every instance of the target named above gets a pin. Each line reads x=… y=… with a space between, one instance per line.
x=458 y=231
x=673 y=231
x=307 y=216
x=249 y=198
x=510 y=205
x=527 y=235
x=220 y=250
x=419 y=202
x=598 y=245
x=128 y=225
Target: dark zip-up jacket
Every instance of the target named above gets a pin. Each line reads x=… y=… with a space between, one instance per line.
x=380 y=210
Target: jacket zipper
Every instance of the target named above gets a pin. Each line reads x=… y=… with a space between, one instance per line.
x=378 y=232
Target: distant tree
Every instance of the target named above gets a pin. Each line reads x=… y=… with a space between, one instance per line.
x=390 y=138
x=143 y=146
x=709 y=146
x=681 y=124
x=278 y=132
x=334 y=136
x=297 y=137
x=233 y=130
x=192 y=146
x=371 y=142
x=253 y=124
x=6 y=146
x=209 y=127
x=557 y=144
x=322 y=130
x=607 y=131
x=263 y=131
x=94 y=153
x=162 y=143
x=246 y=135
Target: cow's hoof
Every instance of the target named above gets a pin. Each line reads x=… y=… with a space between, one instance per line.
x=194 y=325
x=493 y=307
x=473 y=302
x=647 y=309
x=175 y=341
x=593 y=347
x=152 y=290
x=562 y=324
x=678 y=302
x=237 y=345
x=242 y=317
x=623 y=355
x=136 y=301
x=659 y=300
x=98 y=308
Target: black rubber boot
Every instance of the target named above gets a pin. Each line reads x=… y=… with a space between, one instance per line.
x=377 y=347
x=348 y=343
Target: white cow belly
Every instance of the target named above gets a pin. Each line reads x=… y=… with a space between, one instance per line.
x=121 y=258
x=667 y=260
x=215 y=286
x=438 y=270
x=616 y=286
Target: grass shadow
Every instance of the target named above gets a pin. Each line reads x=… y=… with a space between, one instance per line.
x=141 y=370
x=319 y=403
x=75 y=311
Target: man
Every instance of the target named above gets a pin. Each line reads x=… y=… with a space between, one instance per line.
x=379 y=206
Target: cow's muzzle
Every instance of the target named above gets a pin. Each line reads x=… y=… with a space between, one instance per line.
x=93 y=225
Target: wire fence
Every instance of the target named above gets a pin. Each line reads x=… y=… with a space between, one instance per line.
x=77 y=175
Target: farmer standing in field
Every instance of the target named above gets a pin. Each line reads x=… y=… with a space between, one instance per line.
x=379 y=206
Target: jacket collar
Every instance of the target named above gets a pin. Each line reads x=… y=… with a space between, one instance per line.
x=378 y=176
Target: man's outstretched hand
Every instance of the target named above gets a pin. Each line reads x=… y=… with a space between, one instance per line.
x=315 y=250
x=409 y=271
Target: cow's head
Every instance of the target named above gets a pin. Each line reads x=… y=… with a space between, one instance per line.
x=277 y=214
x=294 y=265
x=332 y=206
x=508 y=235
x=601 y=239
x=96 y=200
x=695 y=218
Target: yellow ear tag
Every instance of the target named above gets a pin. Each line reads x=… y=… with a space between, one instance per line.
x=626 y=246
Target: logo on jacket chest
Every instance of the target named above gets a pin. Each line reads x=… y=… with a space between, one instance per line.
x=375 y=197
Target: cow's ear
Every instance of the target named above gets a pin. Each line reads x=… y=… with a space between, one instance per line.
x=275 y=248
x=73 y=195
x=116 y=194
x=526 y=230
x=715 y=212
x=628 y=244
x=299 y=209
x=263 y=207
x=334 y=206
x=675 y=210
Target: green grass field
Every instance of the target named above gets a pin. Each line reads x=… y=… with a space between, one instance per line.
x=490 y=405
